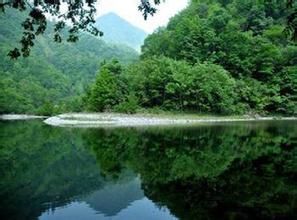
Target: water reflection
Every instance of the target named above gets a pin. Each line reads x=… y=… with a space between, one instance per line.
x=50 y=173
x=223 y=171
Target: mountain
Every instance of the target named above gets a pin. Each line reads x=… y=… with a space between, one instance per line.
x=54 y=73
x=118 y=30
x=114 y=198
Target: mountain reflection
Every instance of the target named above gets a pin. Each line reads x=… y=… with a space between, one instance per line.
x=115 y=197
x=226 y=171
x=222 y=171
x=43 y=168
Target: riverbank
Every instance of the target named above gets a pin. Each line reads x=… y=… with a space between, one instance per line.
x=124 y=120
x=12 y=117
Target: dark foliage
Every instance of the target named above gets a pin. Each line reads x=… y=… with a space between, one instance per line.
x=80 y=14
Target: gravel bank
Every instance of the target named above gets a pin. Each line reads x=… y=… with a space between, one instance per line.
x=123 y=120
x=11 y=117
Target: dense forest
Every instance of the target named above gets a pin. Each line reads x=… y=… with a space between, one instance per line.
x=53 y=77
x=218 y=57
x=215 y=57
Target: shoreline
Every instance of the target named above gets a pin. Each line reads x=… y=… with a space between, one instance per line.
x=18 y=117
x=140 y=120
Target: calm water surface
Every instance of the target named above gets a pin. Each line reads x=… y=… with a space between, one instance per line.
x=219 y=171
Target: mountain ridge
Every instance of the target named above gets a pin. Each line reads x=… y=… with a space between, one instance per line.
x=51 y=75
x=120 y=31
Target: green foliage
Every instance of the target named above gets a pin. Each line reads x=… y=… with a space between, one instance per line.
x=47 y=109
x=55 y=74
x=244 y=38
x=211 y=88
x=288 y=90
x=166 y=83
x=107 y=90
x=79 y=14
x=129 y=106
x=223 y=57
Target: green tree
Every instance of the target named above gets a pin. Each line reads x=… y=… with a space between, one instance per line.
x=54 y=73
x=245 y=38
x=106 y=91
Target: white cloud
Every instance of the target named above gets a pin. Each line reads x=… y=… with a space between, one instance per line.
x=128 y=9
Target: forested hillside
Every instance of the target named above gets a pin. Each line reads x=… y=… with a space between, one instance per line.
x=54 y=75
x=117 y=30
x=217 y=56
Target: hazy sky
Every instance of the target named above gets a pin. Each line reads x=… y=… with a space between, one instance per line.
x=128 y=10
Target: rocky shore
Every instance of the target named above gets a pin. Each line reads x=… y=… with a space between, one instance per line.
x=124 y=120
x=11 y=117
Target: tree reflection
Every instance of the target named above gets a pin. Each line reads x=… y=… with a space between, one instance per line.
x=239 y=171
x=222 y=171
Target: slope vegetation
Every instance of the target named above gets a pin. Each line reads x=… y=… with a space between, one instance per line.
x=55 y=74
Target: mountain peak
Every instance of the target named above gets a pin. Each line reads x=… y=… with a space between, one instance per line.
x=118 y=30
x=111 y=14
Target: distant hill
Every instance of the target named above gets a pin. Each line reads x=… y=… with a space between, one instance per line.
x=118 y=30
x=54 y=73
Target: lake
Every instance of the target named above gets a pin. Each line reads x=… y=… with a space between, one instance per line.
x=210 y=171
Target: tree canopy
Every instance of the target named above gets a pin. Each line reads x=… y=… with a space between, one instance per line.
x=215 y=57
x=53 y=77
x=80 y=15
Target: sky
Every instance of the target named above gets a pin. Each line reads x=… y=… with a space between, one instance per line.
x=128 y=9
